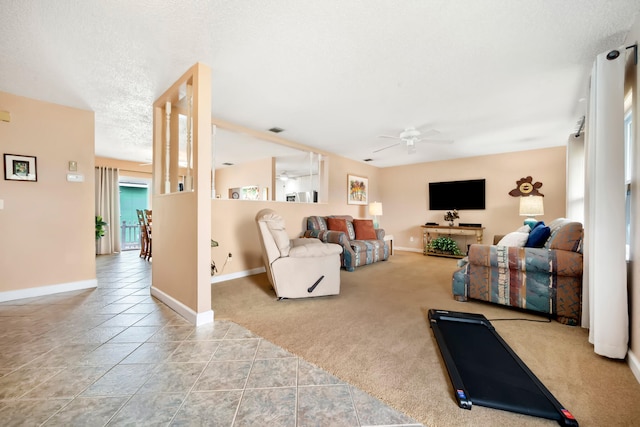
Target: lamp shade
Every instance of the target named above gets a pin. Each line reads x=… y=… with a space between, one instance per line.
x=531 y=206
x=375 y=208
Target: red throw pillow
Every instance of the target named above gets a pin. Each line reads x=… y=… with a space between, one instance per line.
x=337 y=224
x=364 y=229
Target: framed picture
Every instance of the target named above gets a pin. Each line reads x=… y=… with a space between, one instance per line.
x=20 y=168
x=358 y=188
x=251 y=192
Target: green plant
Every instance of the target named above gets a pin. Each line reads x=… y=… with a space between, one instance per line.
x=100 y=224
x=445 y=244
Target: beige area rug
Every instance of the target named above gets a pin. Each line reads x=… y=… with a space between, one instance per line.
x=375 y=335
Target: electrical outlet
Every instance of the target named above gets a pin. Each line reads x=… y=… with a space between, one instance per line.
x=411 y=239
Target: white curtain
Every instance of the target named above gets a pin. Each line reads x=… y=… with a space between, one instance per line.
x=605 y=309
x=108 y=207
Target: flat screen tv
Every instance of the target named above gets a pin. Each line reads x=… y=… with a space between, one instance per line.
x=460 y=195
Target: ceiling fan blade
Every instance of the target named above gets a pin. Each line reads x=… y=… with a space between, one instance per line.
x=436 y=141
x=389 y=136
x=389 y=146
x=428 y=132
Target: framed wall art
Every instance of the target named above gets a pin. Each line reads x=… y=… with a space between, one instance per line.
x=358 y=190
x=20 y=168
x=251 y=192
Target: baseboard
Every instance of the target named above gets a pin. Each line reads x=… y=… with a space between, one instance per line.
x=634 y=364
x=184 y=311
x=47 y=290
x=399 y=248
x=237 y=275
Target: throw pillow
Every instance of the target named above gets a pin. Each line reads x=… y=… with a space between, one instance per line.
x=538 y=237
x=538 y=224
x=524 y=229
x=515 y=238
x=566 y=238
x=337 y=224
x=364 y=229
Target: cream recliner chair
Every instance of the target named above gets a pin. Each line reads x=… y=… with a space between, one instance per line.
x=297 y=268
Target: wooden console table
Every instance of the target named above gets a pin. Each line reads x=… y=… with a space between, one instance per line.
x=430 y=232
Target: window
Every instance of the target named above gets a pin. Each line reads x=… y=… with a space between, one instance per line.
x=628 y=142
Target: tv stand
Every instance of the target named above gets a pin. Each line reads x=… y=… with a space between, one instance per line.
x=430 y=232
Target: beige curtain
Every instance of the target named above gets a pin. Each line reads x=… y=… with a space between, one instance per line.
x=605 y=306
x=108 y=206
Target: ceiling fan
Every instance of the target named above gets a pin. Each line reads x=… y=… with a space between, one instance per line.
x=410 y=136
x=284 y=176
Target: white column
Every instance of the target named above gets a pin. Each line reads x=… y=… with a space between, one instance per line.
x=188 y=181
x=167 y=142
x=213 y=161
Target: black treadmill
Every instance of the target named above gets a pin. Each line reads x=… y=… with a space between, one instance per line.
x=484 y=370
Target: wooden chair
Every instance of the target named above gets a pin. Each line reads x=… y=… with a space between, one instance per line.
x=144 y=235
x=148 y=221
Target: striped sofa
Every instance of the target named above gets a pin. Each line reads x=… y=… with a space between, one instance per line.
x=546 y=279
x=355 y=252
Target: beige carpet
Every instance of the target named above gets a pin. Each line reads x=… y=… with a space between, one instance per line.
x=375 y=335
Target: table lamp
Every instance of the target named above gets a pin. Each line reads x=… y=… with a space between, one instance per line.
x=375 y=209
x=531 y=206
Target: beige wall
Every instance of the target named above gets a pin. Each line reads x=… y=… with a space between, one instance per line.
x=47 y=227
x=405 y=198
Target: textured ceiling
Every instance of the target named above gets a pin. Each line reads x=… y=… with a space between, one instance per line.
x=492 y=75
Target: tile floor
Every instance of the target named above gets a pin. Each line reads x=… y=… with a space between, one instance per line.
x=116 y=356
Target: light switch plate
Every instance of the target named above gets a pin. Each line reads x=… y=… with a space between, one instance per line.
x=1 y=204
x=73 y=166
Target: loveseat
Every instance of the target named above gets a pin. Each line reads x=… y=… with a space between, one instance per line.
x=362 y=244
x=546 y=279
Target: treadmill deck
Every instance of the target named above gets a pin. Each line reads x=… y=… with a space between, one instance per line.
x=484 y=370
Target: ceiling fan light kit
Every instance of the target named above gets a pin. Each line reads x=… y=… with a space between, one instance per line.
x=409 y=133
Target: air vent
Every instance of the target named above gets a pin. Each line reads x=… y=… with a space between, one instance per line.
x=276 y=130
x=227 y=164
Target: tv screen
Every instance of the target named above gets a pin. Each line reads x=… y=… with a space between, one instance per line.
x=460 y=195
